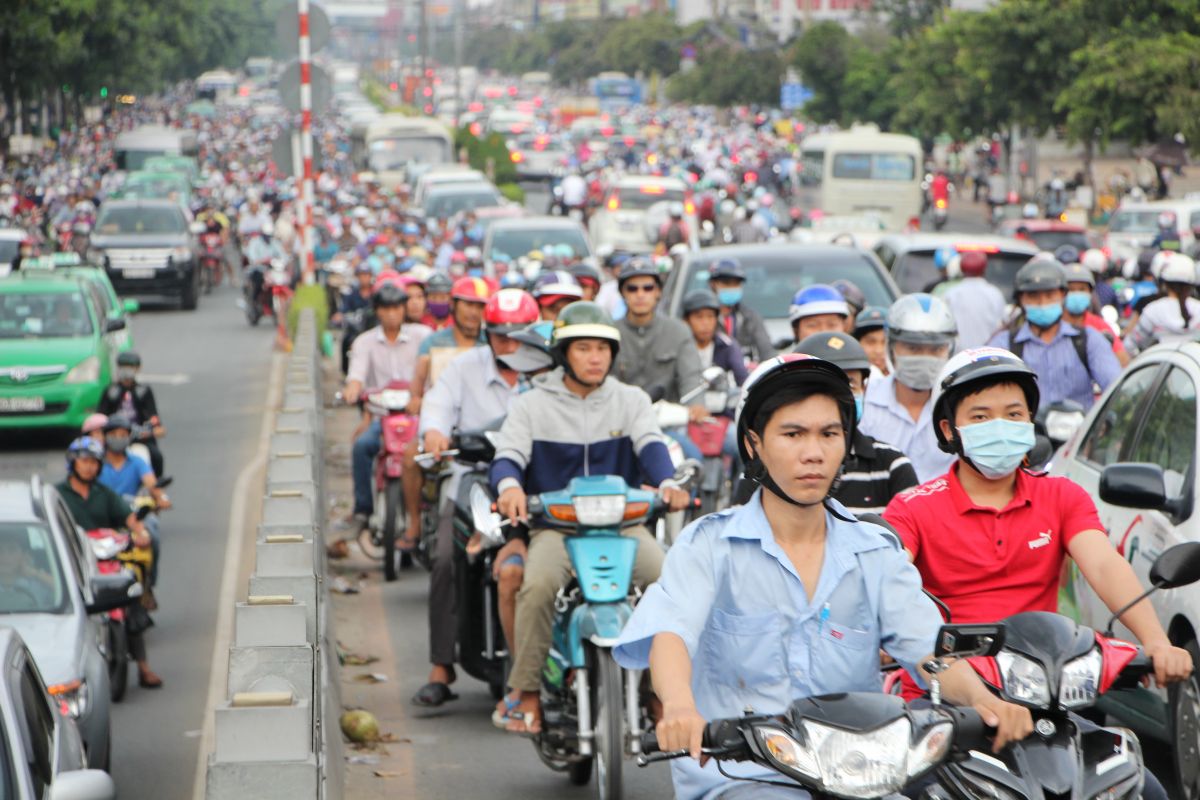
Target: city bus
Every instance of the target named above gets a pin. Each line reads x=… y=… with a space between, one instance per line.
x=863 y=172
x=134 y=148
x=616 y=90
x=398 y=148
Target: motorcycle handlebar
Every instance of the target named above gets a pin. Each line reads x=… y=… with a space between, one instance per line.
x=1134 y=671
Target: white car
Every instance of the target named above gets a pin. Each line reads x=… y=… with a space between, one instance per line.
x=1133 y=226
x=1135 y=453
x=634 y=208
x=509 y=239
x=442 y=175
x=10 y=245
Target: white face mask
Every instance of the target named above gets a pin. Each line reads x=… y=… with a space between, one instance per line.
x=918 y=372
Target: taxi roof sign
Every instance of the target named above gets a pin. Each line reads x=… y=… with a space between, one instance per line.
x=52 y=261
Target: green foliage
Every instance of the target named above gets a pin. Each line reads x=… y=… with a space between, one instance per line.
x=512 y=191
x=725 y=77
x=489 y=150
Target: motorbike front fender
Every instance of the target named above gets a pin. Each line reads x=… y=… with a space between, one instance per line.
x=599 y=624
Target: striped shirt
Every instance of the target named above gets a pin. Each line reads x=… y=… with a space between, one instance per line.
x=873 y=474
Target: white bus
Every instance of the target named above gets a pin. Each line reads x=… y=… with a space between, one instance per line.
x=863 y=172
x=134 y=148
x=398 y=148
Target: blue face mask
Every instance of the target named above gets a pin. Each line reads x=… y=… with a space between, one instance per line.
x=858 y=407
x=1078 y=302
x=729 y=297
x=1044 y=316
x=475 y=272
x=997 y=447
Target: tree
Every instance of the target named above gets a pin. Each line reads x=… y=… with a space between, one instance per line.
x=725 y=77
x=823 y=54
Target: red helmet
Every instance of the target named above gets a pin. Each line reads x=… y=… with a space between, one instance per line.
x=973 y=263
x=473 y=290
x=387 y=276
x=510 y=310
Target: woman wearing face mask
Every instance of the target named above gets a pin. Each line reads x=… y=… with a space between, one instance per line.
x=921 y=333
x=1070 y=362
x=989 y=537
x=1077 y=308
x=1174 y=315
x=873 y=472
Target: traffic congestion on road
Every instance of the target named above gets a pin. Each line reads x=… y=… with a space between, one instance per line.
x=813 y=461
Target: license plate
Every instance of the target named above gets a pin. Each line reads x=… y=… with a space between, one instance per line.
x=22 y=404
x=137 y=274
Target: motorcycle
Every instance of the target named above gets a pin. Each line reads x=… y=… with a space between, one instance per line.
x=116 y=553
x=709 y=435
x=941 y=213
x=268 y=290
x=212 y=259
x=855 y=744
x=1053 y=426
x=378 y=538
x=591 y=708
x=1055 y=666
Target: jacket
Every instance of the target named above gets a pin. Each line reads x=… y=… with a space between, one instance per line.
x=750 y=332
x=662 y=353
x=552 y=435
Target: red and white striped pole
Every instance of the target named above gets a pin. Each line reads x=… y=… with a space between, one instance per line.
x=307 y=197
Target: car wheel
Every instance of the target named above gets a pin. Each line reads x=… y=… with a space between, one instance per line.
x=187 y=300
x=1185 y=730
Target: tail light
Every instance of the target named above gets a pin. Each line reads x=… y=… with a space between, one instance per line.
x=1107 y=252
x=516 y=156
x=750 y=177
x=914 y=224
x=689 y=204
x=614 y=202
x=1062 y=217
x=940 y=203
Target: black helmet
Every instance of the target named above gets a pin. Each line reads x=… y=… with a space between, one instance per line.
x=965 y=371
x=118 y=422
x=1037 y=276
x=129 y=359
x=852 y=293
x=389 y=295
x=837 y=348
x=699 y=300
x=439 y=282
x=638 y=268
x=729 y=268
x=788 y=370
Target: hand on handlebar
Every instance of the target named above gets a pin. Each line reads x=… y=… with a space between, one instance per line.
x=1012 y=722
x=675 y=498
x=435 y=443
x=1171 y=664
x=513 y=504
x=681 y=728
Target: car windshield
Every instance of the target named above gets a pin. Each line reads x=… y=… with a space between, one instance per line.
x=154 y=188
x=1134 y=222
x=140 y=219
x=8 y=250
x=390 y=154
x=1052 y=240
x=771 y=282
x=915 y=271
x=43 y=315
x=640 y=198
x=31 y=580
x=442 y=205
x=515 y=243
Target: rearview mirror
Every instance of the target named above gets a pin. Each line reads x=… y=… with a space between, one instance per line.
x=113 y=591
x=83 y=784
x=476 y=447
x=197 y=228
x=114 y=325
x=968 y=641
x=485 y=521
x=132 y=306
x=1177 y=566
x=1131 y=485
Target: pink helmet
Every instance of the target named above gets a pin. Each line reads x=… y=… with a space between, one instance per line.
x=94 y=422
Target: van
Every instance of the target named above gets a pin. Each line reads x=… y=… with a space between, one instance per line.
x=1134 y=225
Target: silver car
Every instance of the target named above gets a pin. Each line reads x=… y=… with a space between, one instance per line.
x=50 y=593
x=41 y=754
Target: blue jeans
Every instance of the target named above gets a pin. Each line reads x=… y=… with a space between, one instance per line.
x=690 y=450
x=152 y=524
x=362 y=461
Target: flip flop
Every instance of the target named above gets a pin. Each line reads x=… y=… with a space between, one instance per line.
x=501 y=718
x=432 y=695
x=520 y=716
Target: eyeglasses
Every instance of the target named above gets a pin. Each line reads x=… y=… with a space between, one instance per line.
x=639 y=287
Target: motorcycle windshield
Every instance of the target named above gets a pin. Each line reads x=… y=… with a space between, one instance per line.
x=603 y=565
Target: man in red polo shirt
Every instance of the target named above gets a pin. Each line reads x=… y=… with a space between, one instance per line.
x=989 y=537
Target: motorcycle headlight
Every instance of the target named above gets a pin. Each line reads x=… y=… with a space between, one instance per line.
x=1081 y=680
x=599 y=510
x=854 y=764
x=1024 y=679
x=394 y=399
x=788 y=753
x=86 y=371
x=181 y=254
x=931 y=749
x=72 y=697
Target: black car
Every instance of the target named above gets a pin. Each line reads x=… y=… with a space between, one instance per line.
x=148 y=250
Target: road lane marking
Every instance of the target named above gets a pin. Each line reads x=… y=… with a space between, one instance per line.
x=245 y=490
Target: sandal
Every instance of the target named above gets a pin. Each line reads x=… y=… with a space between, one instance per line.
x=432 y=695
x=524 y=717
x=501 y=718
x=407 y=545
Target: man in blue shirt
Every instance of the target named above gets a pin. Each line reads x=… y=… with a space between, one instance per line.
x=127 y=474
x=788 y=596
x=1070 y=363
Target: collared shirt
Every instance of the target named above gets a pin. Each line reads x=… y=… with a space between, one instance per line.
x=978 y=309
x=1061 y=375
x=469 y=394
x=375 y=362
x=886 y=420
x=731 y=593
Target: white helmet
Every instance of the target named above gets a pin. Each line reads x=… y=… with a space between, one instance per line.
x=1178 y=269
x=1095 y=260
x=921 y=319
x=1158 y=262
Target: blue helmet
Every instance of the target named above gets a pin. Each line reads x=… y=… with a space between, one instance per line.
x=513 y=279
x=820 y=298
x=942 y=256
x=84 y=447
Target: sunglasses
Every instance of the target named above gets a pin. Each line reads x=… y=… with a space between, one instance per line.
x=639 y=287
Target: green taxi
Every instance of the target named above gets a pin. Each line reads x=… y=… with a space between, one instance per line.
x=56 y=350
x=182 y=164
x=156 y=186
